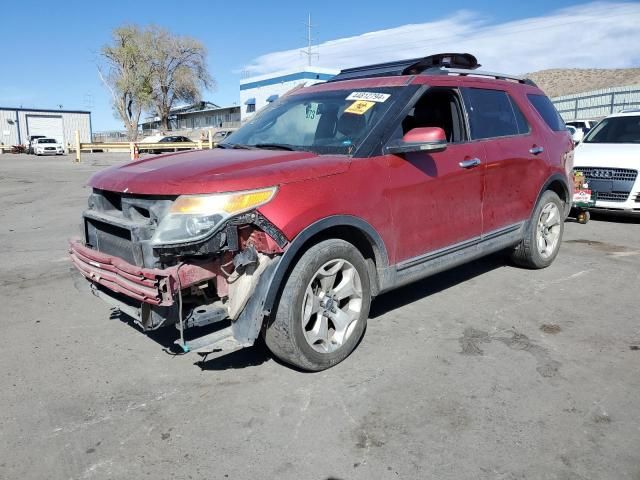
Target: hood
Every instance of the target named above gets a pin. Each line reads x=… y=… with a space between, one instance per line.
x=217 y=170
x=612 y=155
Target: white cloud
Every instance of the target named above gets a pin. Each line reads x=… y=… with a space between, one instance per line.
x=604 y=35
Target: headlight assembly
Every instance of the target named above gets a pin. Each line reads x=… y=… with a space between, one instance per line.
x=193 y=217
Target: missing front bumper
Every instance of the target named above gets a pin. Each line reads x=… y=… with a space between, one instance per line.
x=156 y=291
x=148 y=285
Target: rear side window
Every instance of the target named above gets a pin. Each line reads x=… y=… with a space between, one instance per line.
x=491 y=113
x=547 y=111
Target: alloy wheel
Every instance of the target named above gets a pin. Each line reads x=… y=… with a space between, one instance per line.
x=548 y=230
x=332 y=305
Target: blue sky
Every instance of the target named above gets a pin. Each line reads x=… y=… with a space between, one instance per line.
x=50 y=57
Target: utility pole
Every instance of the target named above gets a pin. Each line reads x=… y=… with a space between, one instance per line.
x=309 y=50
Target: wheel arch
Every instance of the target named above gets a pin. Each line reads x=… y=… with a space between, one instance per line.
x=557 y=183
x=352 y=229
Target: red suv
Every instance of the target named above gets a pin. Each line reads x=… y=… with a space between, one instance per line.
x=332 y=195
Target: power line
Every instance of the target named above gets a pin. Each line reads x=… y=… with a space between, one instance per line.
x=309 y=50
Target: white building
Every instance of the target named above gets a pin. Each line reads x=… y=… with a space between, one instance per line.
x=18 y=124
x=257 y=92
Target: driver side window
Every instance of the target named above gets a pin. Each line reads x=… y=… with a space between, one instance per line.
x=438 y=107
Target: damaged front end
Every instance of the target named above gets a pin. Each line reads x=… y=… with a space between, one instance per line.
x=146 y=256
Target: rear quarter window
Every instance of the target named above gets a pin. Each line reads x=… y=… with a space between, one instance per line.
x=547 y=111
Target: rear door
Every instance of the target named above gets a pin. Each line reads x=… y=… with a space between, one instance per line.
x=515 y=156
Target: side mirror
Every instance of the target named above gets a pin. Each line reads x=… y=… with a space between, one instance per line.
x=426 y=139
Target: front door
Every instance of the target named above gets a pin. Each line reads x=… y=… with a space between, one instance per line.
x=436 y=198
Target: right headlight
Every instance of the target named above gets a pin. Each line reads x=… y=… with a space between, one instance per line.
x=193 y=217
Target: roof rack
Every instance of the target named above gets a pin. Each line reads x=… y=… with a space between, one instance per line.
x=438 y=64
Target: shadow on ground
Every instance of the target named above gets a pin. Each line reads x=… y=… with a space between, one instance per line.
x=415 y=291
x=259 y=354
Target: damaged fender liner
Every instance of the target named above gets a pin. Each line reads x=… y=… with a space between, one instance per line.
x=149 y=285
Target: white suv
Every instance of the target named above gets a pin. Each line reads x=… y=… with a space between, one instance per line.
x=609 y=157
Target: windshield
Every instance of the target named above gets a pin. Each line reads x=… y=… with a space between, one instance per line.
x=46 y=140
x=330 y=122
x=616 y=130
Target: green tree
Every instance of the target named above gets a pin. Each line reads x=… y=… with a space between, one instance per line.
x=125 y=69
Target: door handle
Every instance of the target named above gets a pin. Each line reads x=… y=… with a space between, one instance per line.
x=536 y=150
x=470 y=163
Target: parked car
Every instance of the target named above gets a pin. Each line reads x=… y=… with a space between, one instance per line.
x=30 y=142
x=334 y=194
x=573 y=132
x=220 y=135
x=609 y=157
x=47 y=146
x=582 y=128
x=162 y=139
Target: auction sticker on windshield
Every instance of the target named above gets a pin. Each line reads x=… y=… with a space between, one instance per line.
x=360 y=107
x=369 y=96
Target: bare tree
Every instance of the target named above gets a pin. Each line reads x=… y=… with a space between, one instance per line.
x=178 y=71
x=126 y=72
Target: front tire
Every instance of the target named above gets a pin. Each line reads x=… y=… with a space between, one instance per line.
x=542 y=239
x=323 y=309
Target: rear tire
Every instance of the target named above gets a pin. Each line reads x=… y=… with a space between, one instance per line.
x=543 y=236
x=322 y=312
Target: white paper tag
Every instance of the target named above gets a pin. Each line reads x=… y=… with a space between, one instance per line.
x=369 y=96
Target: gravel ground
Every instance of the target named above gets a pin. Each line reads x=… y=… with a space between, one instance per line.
x=484 y=372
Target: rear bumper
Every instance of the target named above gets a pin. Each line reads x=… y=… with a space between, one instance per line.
x=148 y=285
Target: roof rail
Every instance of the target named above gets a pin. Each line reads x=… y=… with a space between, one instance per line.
x=438 y=64
x=477 y=73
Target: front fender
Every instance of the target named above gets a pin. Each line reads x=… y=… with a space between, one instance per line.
x=296 y=246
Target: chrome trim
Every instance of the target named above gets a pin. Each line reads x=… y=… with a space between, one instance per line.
x=472 y=162
x=479 y=73
x=537 y=150
x=458 y=246
x=435 y=262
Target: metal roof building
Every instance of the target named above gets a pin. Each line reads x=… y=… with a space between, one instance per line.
x=18 y=124
x=194 y=116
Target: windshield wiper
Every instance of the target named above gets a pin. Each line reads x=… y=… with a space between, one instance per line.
x=277 y=146
x=236 y=146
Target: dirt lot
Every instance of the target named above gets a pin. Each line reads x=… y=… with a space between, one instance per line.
x=485 y=372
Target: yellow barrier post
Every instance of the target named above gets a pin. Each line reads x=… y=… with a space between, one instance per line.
x=131 y=151
x=200 y=144
x=78 y=159
x=210 y=139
